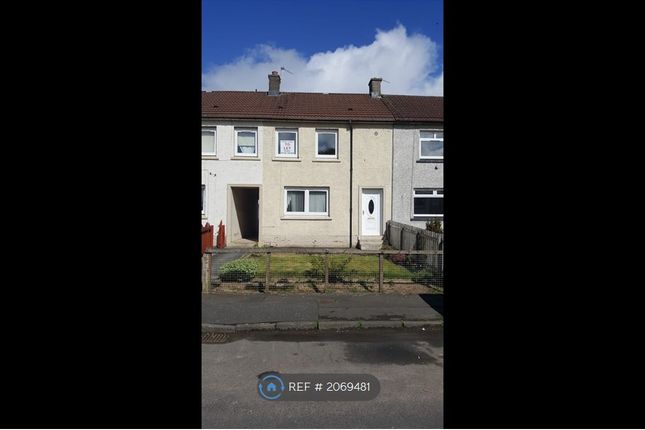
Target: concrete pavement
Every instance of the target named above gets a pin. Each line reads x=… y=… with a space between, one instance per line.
x=375 y=307
x=257 y=308
x=326 y=311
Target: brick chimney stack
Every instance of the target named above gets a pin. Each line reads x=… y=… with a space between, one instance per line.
x=274 y=84
x=375 y=87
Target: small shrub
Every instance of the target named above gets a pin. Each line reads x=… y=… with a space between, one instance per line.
x=397 y=258
x=434 y=225
x=317 y=270
x=337 y=268
x=238 y=271
x=427 y=277
x=416 y=262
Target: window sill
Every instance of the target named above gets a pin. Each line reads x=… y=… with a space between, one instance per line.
x=430 y=160
x=305 y=218
x=210 y=157
x=246 y=158
x=285 y=159
x=425 y=217
x=326 y=160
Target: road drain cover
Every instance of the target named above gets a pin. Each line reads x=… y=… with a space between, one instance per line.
x=214 y=338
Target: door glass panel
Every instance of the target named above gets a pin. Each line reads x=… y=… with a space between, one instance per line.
x=371 y=206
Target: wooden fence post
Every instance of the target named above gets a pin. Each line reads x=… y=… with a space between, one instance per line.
x=206 y=271
x=268 y=272
x=380 y=272
x=326 y=268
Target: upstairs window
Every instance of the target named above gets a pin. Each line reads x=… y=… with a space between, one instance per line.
x=428 y=203
x=287 y=143
x=431 y=145
x=327 y=143
x=209 y=141
x=246 y=142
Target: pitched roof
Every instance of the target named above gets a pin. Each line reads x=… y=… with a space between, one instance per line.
x=302 y=106
x=415 y=108
x=320 y=106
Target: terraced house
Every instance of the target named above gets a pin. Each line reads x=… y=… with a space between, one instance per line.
x=417 y=182
x=302 y=169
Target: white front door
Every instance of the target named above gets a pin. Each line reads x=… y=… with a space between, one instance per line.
x=371 y=213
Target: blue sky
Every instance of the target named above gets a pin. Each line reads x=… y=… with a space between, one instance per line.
x=328 y=45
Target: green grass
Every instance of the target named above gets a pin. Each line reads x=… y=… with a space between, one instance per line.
x=296 y=265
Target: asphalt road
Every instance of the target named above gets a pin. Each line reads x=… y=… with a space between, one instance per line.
x=407 y=362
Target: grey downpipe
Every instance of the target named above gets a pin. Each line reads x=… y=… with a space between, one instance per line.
x=351 y=177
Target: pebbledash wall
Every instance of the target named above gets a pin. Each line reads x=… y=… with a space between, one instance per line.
x=280 y=229
x=411 y=172
x=223 y=170
x=374 y=164
x=372 y=169
x=372 y=146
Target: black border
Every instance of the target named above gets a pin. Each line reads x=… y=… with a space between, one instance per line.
x=540 y=322
x=101 y=298
x=104 y=329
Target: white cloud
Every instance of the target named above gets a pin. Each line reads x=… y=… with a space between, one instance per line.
x=408 y=62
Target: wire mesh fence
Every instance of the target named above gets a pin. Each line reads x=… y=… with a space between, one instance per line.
x=307 y=269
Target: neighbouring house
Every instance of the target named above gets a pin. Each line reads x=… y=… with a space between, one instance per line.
x=299 y=169
x=232 y=176
x=417 y=183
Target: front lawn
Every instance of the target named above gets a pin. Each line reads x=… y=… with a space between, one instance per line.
x=297 y=265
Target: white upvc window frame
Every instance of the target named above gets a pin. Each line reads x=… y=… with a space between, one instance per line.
x=214 y=131
x=433 y=193
x=327 y=131
x=432 y=139
x=306 y=211
x=246 y=129
x=277 y=142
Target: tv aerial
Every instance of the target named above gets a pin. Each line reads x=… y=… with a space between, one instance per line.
x=282 y=68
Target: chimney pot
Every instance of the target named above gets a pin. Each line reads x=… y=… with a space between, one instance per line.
x=375 y=87
x=274 y=84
